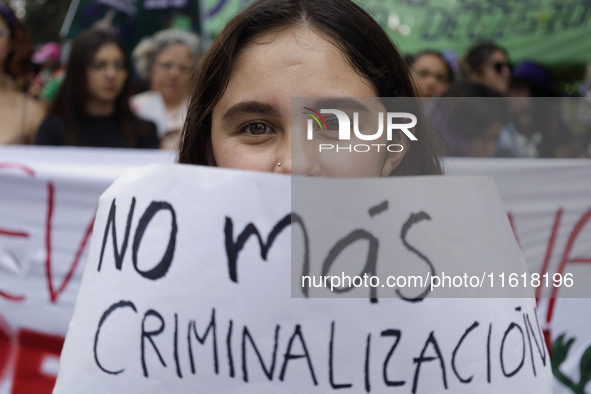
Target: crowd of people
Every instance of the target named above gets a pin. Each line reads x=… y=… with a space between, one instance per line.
x=90 y=100
x=103 y=97
x=496 y=112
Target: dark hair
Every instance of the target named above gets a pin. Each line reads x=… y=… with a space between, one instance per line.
x=18 y=61
x=72 y=98
x=354 y=32
x=450 y=73
x=460 y=118
x=478 y=55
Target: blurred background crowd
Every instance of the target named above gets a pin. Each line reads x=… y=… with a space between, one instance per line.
x=117 y=74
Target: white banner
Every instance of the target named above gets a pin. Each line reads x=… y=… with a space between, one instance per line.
x=38 y=284
x=549 y=205
x=48 y=199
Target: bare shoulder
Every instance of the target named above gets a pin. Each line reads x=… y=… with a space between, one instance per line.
x=35 y=114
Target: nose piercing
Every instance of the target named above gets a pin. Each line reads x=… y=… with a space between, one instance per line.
x=279 y=164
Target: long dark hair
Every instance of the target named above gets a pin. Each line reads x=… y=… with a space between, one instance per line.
x=70 y=103
x=354 y=32
x=18 y=61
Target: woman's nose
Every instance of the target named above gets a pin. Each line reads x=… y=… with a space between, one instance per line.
x=304 y=155
x=111 y=71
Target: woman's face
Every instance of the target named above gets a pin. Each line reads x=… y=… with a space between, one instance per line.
x=495 y=73
x=252 y=123
x=171 y=73
x=107 y=73
x=432 y=75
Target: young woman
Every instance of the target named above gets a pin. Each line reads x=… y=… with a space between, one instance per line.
x=240 y=116
x=240 y=109
x=488 y=64
x=245 y=107
x=433 y=73
x=20 y=114
x=92 y=107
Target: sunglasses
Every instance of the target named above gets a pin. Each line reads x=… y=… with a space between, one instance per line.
x=499 y=66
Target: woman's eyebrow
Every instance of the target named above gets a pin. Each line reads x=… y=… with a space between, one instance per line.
x=342 y=103
x=251 y=107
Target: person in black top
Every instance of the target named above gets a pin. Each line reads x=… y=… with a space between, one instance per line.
x=92 y=107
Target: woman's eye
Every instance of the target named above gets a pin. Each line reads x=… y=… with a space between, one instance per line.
x=423 y=73
x=257 y=129
x=333 y=124
x=98 y=66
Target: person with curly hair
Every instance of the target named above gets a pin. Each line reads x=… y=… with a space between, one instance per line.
x=166 y=62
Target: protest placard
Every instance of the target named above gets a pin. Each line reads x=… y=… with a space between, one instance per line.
x=187 y=287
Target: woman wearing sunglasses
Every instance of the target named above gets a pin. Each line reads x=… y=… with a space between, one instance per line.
x=488 y=64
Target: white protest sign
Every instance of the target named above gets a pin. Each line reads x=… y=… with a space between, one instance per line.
x=159 y=312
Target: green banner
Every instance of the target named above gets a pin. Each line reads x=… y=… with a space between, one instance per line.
x=547 y=31
x=219 y=12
